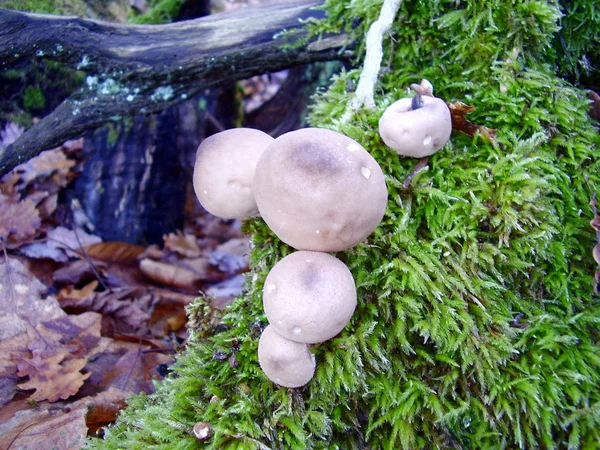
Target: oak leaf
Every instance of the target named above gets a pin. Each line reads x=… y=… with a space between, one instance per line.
x=19 y=220
x=184 y=245
x=51 y=379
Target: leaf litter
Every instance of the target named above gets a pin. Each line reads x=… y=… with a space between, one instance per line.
x=83 y=322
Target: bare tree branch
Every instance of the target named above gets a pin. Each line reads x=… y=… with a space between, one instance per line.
x=146 y=68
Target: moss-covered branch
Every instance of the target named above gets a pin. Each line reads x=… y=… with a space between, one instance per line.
x=145 y=68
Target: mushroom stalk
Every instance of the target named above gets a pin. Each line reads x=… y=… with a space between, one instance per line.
x=374 y=53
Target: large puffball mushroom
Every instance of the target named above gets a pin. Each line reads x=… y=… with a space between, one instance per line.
x=417 y=126
x=224 y=172
x=309 y=296
x=287 y=363
x=319 y=190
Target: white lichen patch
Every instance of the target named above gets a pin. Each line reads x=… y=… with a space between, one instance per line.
x=162 y=93
x=92 y=82
x=21 y=289
x=85 y=62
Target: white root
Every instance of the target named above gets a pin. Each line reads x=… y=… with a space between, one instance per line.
x=365 y=90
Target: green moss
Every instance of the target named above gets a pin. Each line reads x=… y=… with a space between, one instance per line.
x=63 y=7
x=33 y=98
x=160 y=11
x=477 y=325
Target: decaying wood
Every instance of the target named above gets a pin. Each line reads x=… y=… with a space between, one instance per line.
x=146 y=68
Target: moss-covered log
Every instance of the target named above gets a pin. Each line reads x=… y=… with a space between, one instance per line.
x=146 y=68
x=477 y=323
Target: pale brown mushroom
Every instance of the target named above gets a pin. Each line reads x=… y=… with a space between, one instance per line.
x=319 y=190
x=224 y=172
x=309 y=296
x=287 y=363
x=417 y=126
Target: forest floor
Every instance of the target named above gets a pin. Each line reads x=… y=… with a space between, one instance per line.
x=84 y=323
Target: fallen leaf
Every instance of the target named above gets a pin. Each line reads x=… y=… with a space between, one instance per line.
x=21 y=294
x=39 y=250
x=103 y=409
x=45 y=427
x=226 y=291
x=77 y=294
x=114 y=252
x=459 y=111
x=44 y=165
x=71 y=241
x=76 y=272
x=232 y=256
x=10 y=134
x=127 y=312
x=52 y=377
x=169 y=274
x=129 y=367
x=184 y=245
x=19 y=220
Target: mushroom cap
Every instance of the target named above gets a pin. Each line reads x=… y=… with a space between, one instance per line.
x=419 y=132
x=224 y=172
x=309 y=296
x=319 y=190
x=285 y=362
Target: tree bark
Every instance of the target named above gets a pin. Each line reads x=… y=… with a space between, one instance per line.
x=146 y=68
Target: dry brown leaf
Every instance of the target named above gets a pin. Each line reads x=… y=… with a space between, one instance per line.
x=459 y=111
x=39 y=250
x=123 y=365
x=77 y=294
x=79 y=334
x=14 y=343
x=45 y=426
x=103 y=409
x=19 y=220
x=127 y=312
x=52 y=377
x=114 y=252
x=169 y=274
x=48 y=163
x=76 y=272
x=21 y=292
x=71 y=241
x=184 y=245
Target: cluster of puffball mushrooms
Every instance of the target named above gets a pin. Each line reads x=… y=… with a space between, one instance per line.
x=320 y=192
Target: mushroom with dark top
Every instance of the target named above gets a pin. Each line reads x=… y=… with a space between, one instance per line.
x=417 y=126
x=224 y=172
x=309 y=296
x=319 y=190
x=287 y=363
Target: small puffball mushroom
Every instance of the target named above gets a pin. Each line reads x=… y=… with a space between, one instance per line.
x=224 y=172
x=309 y=296
x=287 y=363
x=417 y=126
x=319 y=190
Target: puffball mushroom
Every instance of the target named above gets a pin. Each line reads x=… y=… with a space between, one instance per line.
x=309 y=296
x=319 y=190
x=287 y=363
x=224 y=172
x=417 y=126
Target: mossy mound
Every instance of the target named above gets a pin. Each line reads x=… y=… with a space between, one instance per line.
x=477 y=324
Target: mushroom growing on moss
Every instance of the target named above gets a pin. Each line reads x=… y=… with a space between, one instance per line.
x=417 y=126
x=287 y=363
x=224 y=172
x=309 y=296
x=319 y=190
